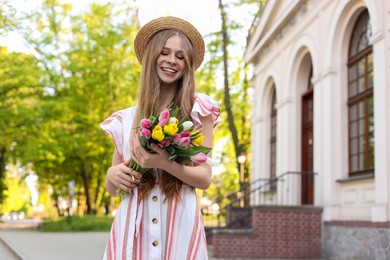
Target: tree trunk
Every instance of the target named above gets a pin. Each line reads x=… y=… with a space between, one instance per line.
x=98 y=191
x=2 y=173
x=86 y=189
x=232 y=127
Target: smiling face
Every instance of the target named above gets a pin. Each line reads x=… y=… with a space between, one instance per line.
x=171 y=62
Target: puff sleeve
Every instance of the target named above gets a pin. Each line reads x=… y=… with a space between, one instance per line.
x=113 y=126
x=204 y=106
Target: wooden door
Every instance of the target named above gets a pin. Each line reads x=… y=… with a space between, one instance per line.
x=307 y=149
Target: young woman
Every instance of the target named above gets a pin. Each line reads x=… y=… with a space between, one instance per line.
x=160 y=218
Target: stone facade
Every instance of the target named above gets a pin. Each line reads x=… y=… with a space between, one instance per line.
x=357 y=240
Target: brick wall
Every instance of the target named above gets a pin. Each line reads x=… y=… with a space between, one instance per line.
x=277 y=232
x=239 y=217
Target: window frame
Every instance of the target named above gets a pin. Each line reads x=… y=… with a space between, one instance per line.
x=362 y=98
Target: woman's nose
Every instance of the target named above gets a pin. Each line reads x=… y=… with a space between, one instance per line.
x=172 y=59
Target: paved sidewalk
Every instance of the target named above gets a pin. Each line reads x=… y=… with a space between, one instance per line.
x=29 y=244
x=6 y=252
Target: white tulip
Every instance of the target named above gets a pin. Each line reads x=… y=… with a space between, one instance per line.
x=187 y=125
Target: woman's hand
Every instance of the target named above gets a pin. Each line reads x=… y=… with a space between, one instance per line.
x=146 y=159
x=120 y=176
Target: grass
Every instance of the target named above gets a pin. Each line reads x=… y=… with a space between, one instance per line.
x=77 y=224
x=100 y=223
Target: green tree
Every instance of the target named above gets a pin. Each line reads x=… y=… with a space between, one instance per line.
x=7 y=20
x=236 y=90
x=17 y=196
x=20 y=89
x=236 y=86
x=91 y=72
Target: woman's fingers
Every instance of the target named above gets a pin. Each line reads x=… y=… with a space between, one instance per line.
x=127 y=182
x=125 y=178
x=127 y=162
x=158 y=149
x=132 y=177
x=130 y=172
x=125 y=169
x=137 y=175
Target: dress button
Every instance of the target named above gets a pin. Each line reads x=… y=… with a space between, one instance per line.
x=155 y=243
x=155 y=221
x=155 y=198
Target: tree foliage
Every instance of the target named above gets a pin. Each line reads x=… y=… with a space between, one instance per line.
x=20 y=89
x=89 y=70
x=7 y=20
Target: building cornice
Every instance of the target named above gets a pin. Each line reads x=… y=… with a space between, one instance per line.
x=275 y=31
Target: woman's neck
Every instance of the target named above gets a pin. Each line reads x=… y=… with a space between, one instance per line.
x=167 y=94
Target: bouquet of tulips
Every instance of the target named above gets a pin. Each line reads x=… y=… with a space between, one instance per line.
x=178 y=138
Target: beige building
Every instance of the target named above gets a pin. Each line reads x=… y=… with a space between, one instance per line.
x=321 y=77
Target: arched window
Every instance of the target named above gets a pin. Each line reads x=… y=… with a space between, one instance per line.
x=360 y=98
x=273 y=135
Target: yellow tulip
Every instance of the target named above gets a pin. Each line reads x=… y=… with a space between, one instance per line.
x=157 y=133
x=199 y=140
x=171 y=129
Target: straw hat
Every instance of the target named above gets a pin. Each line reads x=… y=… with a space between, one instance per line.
x=164 y=23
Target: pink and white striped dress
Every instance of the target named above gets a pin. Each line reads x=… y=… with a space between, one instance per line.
x=153 y=228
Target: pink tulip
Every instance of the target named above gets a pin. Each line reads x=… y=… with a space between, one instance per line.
x=176 y=138
x=164 y=143
x=146 y=133
x=199 y=158
x=184 y=142
x=164 y=117
x=145 y=123
x=185 y=134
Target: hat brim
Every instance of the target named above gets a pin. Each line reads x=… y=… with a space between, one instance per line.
x=165 y=23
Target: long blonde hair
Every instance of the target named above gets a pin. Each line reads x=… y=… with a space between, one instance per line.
x=149 y=91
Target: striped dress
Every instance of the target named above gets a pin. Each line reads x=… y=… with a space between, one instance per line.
x=153 y=228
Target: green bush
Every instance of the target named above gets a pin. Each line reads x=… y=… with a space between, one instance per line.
x=77 y=224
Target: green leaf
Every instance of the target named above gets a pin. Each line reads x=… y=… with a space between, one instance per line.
x=142 y=140
x=153 y=111
x=172 y=157
x=193 y=150
x=182 y=159
x=171 y=149
x=175 y=111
